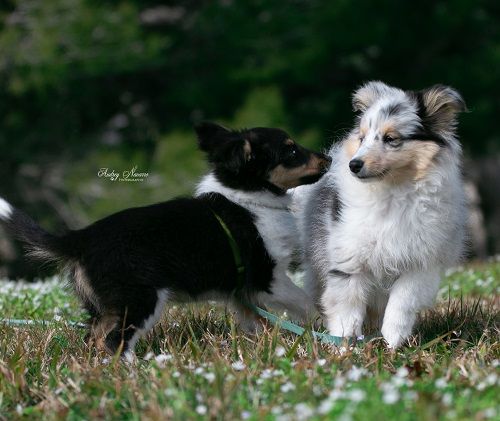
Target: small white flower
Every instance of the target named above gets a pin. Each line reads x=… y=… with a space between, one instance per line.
x=149 y=356
x=210 y=377
x=356 y=395
x=336 y=394
x=402 y=372
x=245 y=415
x=169 y=392
x=19 y=409
x=238 y=365
x=325 y=407
x=287 y=387
x=176 y=374
x=162 y=358
x=490 y=413
x=447 y=399
x=57 y=318
x=355 y=373
x=303 y=411
x=201 y=409
x=105 y=361
x=390 y=396
x=199 y=370
x=441 y=383
x=321 y=362
x=280 y=351
x=340 y=382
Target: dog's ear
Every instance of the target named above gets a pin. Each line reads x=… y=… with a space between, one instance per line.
x=233 y=155
x=210 y=135
x=365 y=96
x=441 y=104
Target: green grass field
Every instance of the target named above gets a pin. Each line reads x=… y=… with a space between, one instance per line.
x=196 y=365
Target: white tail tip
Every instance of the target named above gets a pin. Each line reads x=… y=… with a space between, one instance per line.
x=5 y=209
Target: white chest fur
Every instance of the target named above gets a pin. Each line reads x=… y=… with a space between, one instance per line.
x=273 y=218
x=386 y=229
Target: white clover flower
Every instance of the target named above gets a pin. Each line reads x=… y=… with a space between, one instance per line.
x=238 y=365
x=245 y=415
x=169 y=392
x=340 y=382
x=390 y=397
x=490 y=413
x=287 y=387
x=447 y=399
x=176 y=374
x=280 y=351
x=199 y=370
x=325 y=406
x=321 y=362
x=441 y=383
x=356 y=395
x=201 y=409
x=210 y=377
x=149 y=356
x=162 y=358
x=336 y=395
x=355 y=373
x=402 y=372
x=303 y=410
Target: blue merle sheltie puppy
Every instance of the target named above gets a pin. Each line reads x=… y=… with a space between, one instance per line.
x=233 y=241
x=389 y=217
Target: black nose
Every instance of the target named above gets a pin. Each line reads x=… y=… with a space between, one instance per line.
x=355 y=165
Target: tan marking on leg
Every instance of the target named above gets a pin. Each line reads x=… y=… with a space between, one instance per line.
x=102 y=328
x=83 y=287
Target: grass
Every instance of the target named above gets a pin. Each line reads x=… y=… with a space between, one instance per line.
x=196 y=365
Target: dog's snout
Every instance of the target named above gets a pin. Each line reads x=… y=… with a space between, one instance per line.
x=355 y=165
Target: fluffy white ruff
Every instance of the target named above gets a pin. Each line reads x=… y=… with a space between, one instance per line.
x=383 y=255
x=5 y=210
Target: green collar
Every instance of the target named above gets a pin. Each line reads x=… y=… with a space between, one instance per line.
x=240 y=267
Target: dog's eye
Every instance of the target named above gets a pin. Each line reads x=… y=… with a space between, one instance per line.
x=391 y=140
x=293 y=150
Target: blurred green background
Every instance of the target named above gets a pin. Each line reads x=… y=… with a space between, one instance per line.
x=87 y=84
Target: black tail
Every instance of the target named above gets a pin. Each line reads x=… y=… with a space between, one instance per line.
x=39 y=244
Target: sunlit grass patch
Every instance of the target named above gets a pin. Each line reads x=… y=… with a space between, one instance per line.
x=195 y=364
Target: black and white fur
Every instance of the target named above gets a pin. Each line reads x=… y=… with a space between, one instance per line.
x=127 y=266
x=386 y=220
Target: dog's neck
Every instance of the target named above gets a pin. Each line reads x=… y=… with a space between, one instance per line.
x=247 y=199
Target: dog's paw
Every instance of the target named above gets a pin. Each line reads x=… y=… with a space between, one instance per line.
x=395 y=336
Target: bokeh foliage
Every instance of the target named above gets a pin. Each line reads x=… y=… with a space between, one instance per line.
x=86 y=84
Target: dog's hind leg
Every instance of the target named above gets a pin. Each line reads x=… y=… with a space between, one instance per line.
x=287 y=296
x=135 y=319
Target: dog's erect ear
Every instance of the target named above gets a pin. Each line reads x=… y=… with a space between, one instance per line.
x=365 y=96
x=441 y=104
x=233 y=155
x=210 y=135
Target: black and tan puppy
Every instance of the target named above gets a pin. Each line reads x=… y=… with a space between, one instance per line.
x=233 y=241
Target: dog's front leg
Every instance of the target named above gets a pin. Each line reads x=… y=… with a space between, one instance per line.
x=410 y=293
x=344 y=303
